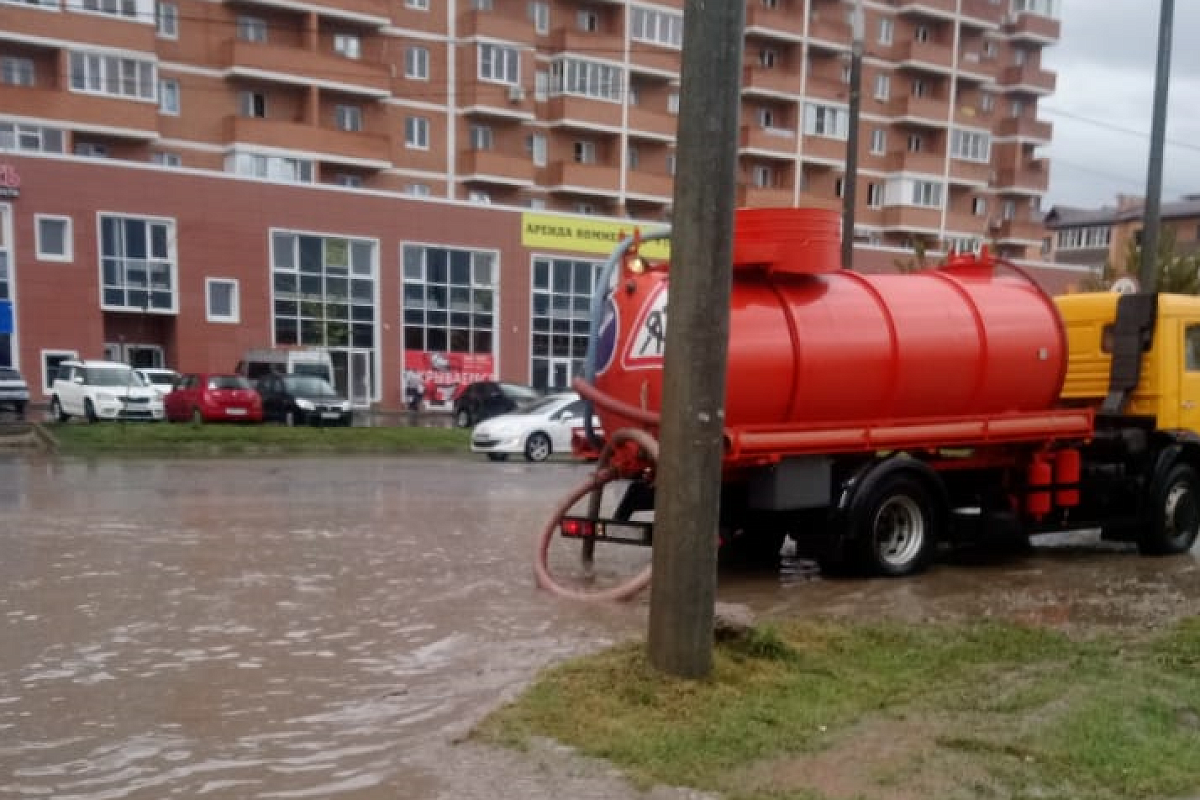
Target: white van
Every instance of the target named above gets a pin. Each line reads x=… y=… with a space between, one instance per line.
x=259 y=362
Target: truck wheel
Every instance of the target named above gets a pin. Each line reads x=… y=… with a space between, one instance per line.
x=56 y=410
x=894 y=529
x=1176 y=514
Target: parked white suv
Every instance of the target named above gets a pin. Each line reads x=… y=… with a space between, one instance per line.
x=98 y=390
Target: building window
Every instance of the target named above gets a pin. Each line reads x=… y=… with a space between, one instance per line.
x=416 y=63
x=633 y=157
x=535 y=143
x=883 y=86
x=91 y=150
x=539 y=14
x=839 y=187
x=915 y=143
x=979 y=206
x=921 y=33
x=919 y=88
x=168 y=96
x=828 y=121
x=416 y=133
x=96 y=73
x=481 y=137
x=50 y=361
x=1008 y=209
x=17 y=71
x=672 y=164
x=585 y=152
x=251 y=29
x=347 y=45
x=479 y=197
x=348 y=180
x=1093 y=237
x=348 y=118
x=660 y=27
x=166 y=159
x=584 y=78
x=54 y=241
x=767 y=57
x=417 y=190
x=323 y=290
x=878 y=141
x=989 y=49
x=673 y=103
x=886 y=29
x=221 y=295
x=927 y=194
x=587 y=21
x=762 y=176
x=30 y=138
x=272 y=168
x=971 y=146
x=1016 y=109
x=252 y=104
x=419 y=5
x=987 y=102
x=449 y=299
x=166 y=20
x=137 y=263
x=483 y=5
x=874 y=195
x=115 y=8
x=499 y=64
x=561 y=298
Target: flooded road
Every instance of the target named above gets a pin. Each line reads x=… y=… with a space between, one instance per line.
x=331 y=628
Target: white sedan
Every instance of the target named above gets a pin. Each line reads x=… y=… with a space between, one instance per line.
x=536 y=431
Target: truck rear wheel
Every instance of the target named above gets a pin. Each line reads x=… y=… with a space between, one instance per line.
x=1176 y=514
x=894 y=527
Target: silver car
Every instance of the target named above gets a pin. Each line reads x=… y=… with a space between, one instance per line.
x=14 y=392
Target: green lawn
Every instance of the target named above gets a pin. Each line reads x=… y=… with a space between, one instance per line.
x=157 y=438
x=986 y=710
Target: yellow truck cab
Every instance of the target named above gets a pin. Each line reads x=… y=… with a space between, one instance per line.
x=1168 y=387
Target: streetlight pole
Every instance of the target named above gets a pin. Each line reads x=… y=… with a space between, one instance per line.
x=1158 y=133
x=850 y=179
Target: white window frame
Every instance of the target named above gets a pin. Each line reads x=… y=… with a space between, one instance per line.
x=417 y=5
x=416 y=63
x=656 y=26
x=830 y=122
x=973 y=146
x=482 y=137
x=539 y=15
x=498 y=63
x=168 y=96
x=166 y=159
x=879 y=141
x=43 y=254
x=249 y=103
x=417 y=190
x=537 y=148
x=47 y=376
x=17 y=71
x=251 y=29
x=348 y=117
x=348 y=45
x=113 y=76
x=927 y=194
x=762 y=176
x=979 y=206
x=887 y=29
x=584 y=151
x=582 y=77
x=235 y=313
x=166 y=20
x=416 y=133
x=874 y=195
x=883 y=86
x=169 y=259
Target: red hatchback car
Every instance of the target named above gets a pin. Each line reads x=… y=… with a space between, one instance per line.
x=211 y=397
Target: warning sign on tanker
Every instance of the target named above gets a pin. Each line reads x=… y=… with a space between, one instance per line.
x=572 y=234
x=648 y=342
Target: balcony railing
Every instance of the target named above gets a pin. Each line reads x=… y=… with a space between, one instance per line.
x=37 y=26
x=781 y=141
x=1028 y=77
x=1036 y=28
x=488 y=166
x=779 y=21
x=764 y=197
x=118 y=117
x=582 y=178
x=304 y=67
x=1025 y=128
x=349 y=147
x=772 y=80
x=583 y=110
x=659 y=124
x=642 y=183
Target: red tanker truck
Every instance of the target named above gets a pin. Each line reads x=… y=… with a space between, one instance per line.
x=874 y=417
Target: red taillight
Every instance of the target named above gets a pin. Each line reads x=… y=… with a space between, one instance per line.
x=577 y=528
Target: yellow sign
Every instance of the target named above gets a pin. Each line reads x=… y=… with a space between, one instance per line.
x=575 y=235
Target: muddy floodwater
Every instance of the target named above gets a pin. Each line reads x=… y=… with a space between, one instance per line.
x=331 y=628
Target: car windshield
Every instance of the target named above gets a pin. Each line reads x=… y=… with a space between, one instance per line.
x=112 y=376
x=7 y=374
x=545 y=404
x=309 y=385
x=228 y=382
x=520 y=394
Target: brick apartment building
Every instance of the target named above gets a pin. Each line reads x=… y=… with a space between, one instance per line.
x=185 y=179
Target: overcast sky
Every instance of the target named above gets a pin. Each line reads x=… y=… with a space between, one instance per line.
x=1102 y=107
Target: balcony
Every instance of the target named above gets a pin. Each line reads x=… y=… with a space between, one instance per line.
x=770 y=142
x=570 y=176
x=369 y=12
x=764 y=197
x=969 y=173
x=496 y=99
x=973 y=68
x=654 y=59
x=779 y=23
x=1019 y=231
x=1028 y=78
x=774 y=81
x=982 y=14
x=113 y=116
x=583 y=112
x=830 y=30
x=487 y=166
x=659 y=187
x=601 y=44
x=77 y=31
x=920 y=110
x=1022 y=128
x=911 y=218
x=301 y=67
x=489 y=24
x=921 y=163
x=967 y=224
x=652 y=124
x=824 y=150
x=943 y=9
x=1033 y=176
x=328 y=144
x=1035 y=28
x=931 y=56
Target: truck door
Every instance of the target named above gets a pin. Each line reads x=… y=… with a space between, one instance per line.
x=1189 y=378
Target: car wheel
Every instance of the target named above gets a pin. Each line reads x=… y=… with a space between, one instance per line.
x=462 y=418
x=497 y=456
x=89 y=410
x=56 y=411
x=197 y=417
x=537 y=447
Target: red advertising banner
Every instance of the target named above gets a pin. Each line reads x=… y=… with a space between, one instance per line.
x=431 y=378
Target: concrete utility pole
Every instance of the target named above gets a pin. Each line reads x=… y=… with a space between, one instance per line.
x=688 y=488
x=1158 y=134
x=850 y=179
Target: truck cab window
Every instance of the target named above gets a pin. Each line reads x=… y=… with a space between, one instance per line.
x=1191 y=348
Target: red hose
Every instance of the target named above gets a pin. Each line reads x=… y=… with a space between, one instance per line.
x=603 y=475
